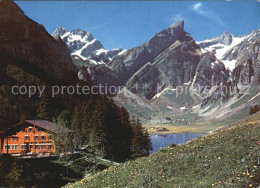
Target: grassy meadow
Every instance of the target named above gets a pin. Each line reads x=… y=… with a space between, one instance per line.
x=229 y=157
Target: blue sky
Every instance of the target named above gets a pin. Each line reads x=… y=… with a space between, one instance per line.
x=126 y=24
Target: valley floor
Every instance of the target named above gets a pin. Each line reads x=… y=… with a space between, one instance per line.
x=194 y=127
x=229 y=157
x=172 y=129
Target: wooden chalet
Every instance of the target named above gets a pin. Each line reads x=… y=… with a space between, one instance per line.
x=30 y=137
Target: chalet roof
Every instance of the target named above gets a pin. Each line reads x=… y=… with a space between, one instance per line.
x=44 y=124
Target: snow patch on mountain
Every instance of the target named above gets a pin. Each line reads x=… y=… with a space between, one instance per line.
x=220 y=46
x=78 y=52
x=122 y=52
x=165 y=90
x=85 y=46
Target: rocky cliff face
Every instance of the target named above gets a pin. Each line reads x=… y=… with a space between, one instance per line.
x=22 y=38
x=245 y=78
x=131 y=61
x=256 y=49
x=220 y=46
x=83 y=45
x=242 y=46
x=156 y=69
x=248 y=64
x=173 y=67
x=182 y=63
x=210 y=74
x=170 y=59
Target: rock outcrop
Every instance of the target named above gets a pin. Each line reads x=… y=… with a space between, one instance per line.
x=22 y=38
x=210 y=74
x=131 y=61
x=170 y=59
x=245 y=78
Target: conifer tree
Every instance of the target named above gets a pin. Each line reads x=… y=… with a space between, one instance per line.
x=126 y=133
x=44 y=108
x=14 y=178
x=141 y=144
x=77 y=127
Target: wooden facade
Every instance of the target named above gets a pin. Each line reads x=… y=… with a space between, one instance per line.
x=29 y=137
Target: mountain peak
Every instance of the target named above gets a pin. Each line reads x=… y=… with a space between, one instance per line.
x=82 y=33
x=59 y=32
x=84 y=46
x=178 y=24
x=227 y=33
x=226 y=38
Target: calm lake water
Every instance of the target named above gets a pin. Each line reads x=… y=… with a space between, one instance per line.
x=159 y=141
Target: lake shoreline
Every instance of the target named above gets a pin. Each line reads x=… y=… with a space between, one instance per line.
x=164 y=140
x=179 y=132
x=178 y=129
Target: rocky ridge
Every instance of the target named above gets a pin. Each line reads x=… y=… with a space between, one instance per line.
x=83 y=46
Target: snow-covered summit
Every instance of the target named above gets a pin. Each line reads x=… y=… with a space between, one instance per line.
x=228 y=48
x=83 y=45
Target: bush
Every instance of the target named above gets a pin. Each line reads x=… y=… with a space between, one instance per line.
x=10 y=171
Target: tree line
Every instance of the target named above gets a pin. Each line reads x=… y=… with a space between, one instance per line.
x=96 y=120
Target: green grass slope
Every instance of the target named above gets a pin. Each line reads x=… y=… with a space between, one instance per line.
x=227 y=158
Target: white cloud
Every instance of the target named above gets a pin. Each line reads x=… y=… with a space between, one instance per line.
x=199 y=10
x=196 y=6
